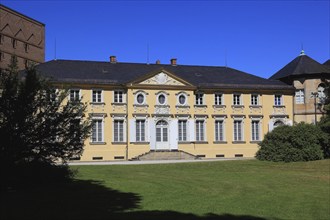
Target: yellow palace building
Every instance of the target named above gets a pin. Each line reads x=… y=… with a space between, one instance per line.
x=195 y=111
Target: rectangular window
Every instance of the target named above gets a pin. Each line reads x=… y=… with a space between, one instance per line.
x=237 y=99
x=278 y=100
x=182 y=130
x=118 y=130
x=74 y=95
x=218 y=99
x=254 y=99
x=140 y=130
x=14 y=42
x=238 y=130
x=255 y=130
x=200 y=130
x=219 y=132
x=300 y=96
x=118 y=96
x=97 y=96
x=97 y=130
x=199 y=99
x=26 y=47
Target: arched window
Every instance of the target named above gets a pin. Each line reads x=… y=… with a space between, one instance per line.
x=278 y=123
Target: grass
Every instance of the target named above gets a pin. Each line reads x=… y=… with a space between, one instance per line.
x=248 y=189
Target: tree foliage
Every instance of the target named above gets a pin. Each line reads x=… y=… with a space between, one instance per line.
x=38 y=125
x=324 y=123
x=301 y=142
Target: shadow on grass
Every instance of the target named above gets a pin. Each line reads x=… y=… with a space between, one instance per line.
x=84 y=199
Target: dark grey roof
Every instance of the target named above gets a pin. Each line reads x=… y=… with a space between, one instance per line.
x=301 y=65
x=327 y=63
x=93 y=72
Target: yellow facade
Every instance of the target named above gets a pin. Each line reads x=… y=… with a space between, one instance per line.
x=160 y=113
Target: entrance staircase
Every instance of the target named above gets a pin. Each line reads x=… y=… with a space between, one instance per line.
x=165 y=155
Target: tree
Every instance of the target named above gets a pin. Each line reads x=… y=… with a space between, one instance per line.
x=301 y=142
x=324 y=123
x=38 y=125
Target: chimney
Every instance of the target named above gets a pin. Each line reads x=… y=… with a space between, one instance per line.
x=157 y=61
x=113 y=59
x=173 y=61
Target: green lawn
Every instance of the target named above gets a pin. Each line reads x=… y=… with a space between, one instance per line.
x=246 y=189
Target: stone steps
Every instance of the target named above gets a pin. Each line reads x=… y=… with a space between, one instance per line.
x=166 y=155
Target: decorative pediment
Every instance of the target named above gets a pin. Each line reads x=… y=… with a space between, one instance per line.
x=162 y=79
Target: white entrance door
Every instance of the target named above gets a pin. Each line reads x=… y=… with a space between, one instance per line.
x=162 y=142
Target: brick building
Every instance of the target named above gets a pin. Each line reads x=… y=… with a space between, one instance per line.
x=20 y=36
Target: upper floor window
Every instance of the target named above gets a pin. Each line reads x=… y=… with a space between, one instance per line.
x=218 y=99
x=237 y=99
x=254 y=99
x=118 y=96
x=199 y=98
x=278 y=100
x=300 y=96
x=97 y=96
x=140 y=98
x=74 y=95
x=182 y=99
x=161 y=99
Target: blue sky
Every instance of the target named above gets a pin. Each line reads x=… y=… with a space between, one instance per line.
x=258 y=37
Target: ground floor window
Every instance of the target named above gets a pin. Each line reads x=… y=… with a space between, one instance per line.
x=140 y=130
x=255 y=129
x=200 y=130
x=219 y=130
x=238 y=130
x=97 y=130
x=182 y=130
x=118 y=130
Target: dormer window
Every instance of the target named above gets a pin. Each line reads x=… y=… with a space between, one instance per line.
x=199 y=98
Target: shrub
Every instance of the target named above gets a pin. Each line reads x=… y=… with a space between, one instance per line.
x=302 y=142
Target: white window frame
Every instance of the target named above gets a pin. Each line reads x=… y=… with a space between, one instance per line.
x=144 y=98
x=182 y=130
x=178 y=99
x=119 y=135
x=217 y=127
x=237 y=99
x=200 y=135
x=236 y=131
x=299 y=96
x=278 y=99
x=75 y=91
x=199 y=98
x=165 y=96
x=98 y=95
x=117 y=95
x=218 y=98
x=255 y=131
x=98 y=139
x=255 y=99
x=138 y=130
